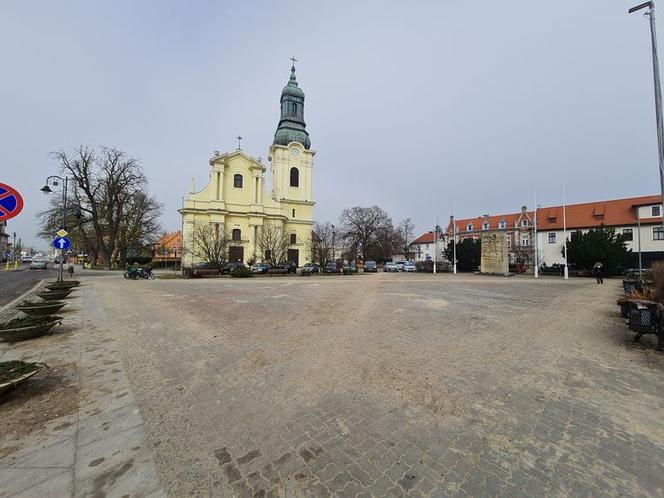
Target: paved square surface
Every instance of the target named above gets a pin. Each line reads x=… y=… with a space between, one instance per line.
x=389 y=385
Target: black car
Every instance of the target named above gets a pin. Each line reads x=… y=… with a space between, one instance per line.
x=331 y=267
x=202 y=269
x=233 y=265
x=287 y=267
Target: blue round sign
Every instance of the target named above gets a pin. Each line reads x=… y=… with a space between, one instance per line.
x=61 y=243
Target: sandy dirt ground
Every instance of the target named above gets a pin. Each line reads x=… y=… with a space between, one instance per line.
x=390 y=384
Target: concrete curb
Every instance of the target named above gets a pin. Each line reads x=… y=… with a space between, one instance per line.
x=22 y=296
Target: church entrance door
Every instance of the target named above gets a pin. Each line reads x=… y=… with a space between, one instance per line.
x=235 y=253
x=294 y=256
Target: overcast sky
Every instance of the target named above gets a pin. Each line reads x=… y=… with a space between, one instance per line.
x=413 y=106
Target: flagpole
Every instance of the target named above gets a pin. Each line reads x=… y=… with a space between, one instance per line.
x=435 y=240
x=454 y=229
x=536 y=241
x=566 y=270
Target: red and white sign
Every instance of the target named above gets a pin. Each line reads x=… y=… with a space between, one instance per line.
x=11 y=202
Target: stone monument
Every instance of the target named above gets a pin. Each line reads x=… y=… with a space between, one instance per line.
x=494 y=254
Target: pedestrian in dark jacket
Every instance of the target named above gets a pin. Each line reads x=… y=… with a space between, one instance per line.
x=598 y=271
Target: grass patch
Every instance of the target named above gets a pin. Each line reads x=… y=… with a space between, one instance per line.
x=29 y=321
x=10 y=370
x=168 y=277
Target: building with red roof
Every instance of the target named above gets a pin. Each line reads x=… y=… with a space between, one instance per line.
x=638 y=219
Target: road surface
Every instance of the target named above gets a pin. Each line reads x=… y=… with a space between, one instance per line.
x=15 y=282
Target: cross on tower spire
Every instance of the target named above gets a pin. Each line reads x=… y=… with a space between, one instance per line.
x=239 y=140
x=294 y=60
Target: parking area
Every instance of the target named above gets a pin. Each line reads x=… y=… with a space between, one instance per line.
x=390 y=384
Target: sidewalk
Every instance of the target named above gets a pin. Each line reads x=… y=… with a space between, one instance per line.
x=74 y=429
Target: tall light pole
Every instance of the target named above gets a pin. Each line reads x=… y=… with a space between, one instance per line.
x=650 y=13
x=47 y=190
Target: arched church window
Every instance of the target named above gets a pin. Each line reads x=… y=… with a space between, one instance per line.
x=237 y=181
x=294 y=177
x=237 y=233
x=294 y=107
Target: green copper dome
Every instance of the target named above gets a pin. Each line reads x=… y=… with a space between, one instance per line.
x=292 y=127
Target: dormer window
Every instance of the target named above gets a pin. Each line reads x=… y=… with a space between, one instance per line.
x=485 y=226
x=524 y=223
x=469 y=227
x=502 y=224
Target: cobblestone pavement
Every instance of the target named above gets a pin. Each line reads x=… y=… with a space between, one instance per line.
x=74 y=429
x=391 y=385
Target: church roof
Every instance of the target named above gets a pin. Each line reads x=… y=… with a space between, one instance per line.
x=292 y=127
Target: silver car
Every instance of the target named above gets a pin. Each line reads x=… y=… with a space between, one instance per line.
x=409 y=266
x=391 y=267
x=38 y=264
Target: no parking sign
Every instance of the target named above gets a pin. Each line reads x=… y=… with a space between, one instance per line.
x=11 y=202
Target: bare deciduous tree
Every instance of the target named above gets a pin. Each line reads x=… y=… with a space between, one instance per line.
x=405 y=231
x=272 y=244
x=322 y=244
x=361 y=226
x=209 y=243
x=109 y=193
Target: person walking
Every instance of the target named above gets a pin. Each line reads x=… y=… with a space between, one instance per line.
x=598 y=271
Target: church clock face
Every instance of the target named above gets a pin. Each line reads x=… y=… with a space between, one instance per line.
x=295 y=152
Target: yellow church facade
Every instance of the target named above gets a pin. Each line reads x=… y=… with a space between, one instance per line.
x=235 y=198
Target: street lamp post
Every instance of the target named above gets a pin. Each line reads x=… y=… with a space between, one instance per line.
x=650 y=13
x=47 y=190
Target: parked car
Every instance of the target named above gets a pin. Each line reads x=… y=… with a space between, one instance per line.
x=198 y=270
x=370 y=266
x=409 y=266
x=26 y=259
x=260 y=268
x=311 y=268
x=38 y=264
x=393 y=267
x=233 y=265
x=331 y=267
x=289 y=266
x=399 y=265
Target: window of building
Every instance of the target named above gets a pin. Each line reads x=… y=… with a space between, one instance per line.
x=502 y=224
x=294 y=108
x=293 y=213
x=656 y=210
x=524 y=223
x=525 y=240
x=628 y=233
x=294 y=177
x=552 y=237
x=657 y=233
x=293 y=238
x=237 y=181
x=236 y=234
x=485 y=226
x=509 y=241
x=469 y=227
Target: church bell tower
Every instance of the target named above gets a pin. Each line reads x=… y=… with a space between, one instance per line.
x=291 y=157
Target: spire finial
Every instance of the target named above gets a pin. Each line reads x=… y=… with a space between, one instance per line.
x=239 y=141
x=294 y=61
